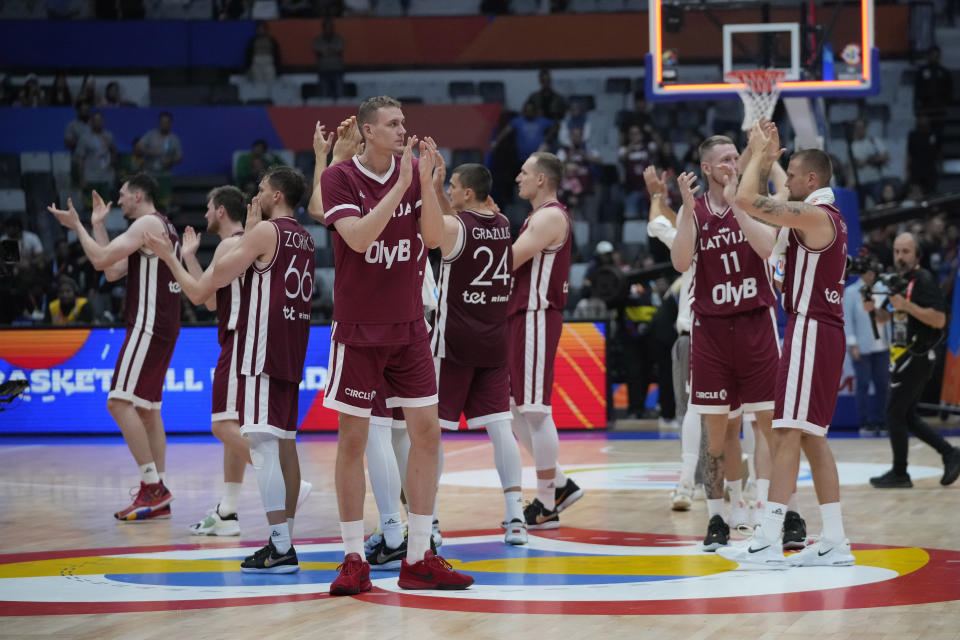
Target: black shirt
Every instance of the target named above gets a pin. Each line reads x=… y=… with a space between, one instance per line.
x=908 y=332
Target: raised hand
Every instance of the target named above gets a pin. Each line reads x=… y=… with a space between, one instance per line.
x=730 y=184
x=191 y=242
x=349 y=141
x=160 y=245
x=67 y=217
x=406 y=163
x=688 y=188
x=655 y=183
x=321 y=142
x=758 y=137
x=254 y=215
x=100 y=210
x=439 y=171
x=428 y=156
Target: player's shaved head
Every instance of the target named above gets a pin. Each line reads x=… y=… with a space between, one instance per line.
x=231 y=199
x=712 y=142
x=550 y=166
x=367 y=113
x=817 y=162
x=476 y=177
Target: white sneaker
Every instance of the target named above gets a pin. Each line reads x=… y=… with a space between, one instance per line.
x=756 y=551
x=740 y=518
x=682 y=497
x=213 y=524
x=305 y=489
x=837 y=554
x=750 y=492
x=516 y=532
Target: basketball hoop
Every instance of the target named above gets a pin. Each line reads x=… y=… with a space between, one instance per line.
x=760 y=94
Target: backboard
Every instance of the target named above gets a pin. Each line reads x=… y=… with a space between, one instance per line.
x=826 y=47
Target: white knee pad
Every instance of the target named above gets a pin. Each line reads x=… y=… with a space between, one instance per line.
x=506 y=453
x=382 y=468
x=265 y=456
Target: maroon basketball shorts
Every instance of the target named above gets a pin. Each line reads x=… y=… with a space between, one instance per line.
x=481 y=394
x=380 y=415
x=356 y=373
x=141 y=369
x=808 y=379
x=225 y=384
x=534 y=336
x=268 y=405
x=734 y=357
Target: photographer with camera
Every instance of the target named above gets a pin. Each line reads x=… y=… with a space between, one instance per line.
x=917 y=319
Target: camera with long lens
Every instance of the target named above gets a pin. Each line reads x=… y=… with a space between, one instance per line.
x=894 y=283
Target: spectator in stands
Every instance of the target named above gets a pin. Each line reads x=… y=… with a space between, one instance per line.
x=88 y=90
x=328 y=49
x=296 y=8
x=31 y=95
x=933 y=90
x=31 y=249
x=30 y=299
x=59 y=92
x=161 y=150
x=635 y=156
x=924 y=155
x=531 y=131
x=547 y=101
x=68 y=260
x=691 y=159
x=869 y=156
x=113 y=98
x=888 y=195
x=263 y=56
x=581 y=160
x=576 y=118
x=77 y=127
x=603 y=256
x=96 y=159
x=638 y=117
x=251 y=166
x=67 y=308
x=914 y=195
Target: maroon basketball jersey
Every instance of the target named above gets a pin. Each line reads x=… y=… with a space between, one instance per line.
x=474 y=283
x=813 y=284
x=153 y=294
x=542 y=282
x=729 y=277
x=377 y=293
x=228 y=306
x=274 y=316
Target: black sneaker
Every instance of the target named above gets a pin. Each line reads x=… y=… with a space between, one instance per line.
x=893 y=480
x=538 y=517
x=718 y=534
x=794 y=532
x=384 y=558
x=567 y=494
x=268 y=560
x=951 y=467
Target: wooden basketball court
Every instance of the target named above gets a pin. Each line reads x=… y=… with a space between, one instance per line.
x=622 y=565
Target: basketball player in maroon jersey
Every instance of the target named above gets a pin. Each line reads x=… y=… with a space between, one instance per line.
x=733 y=340
x=152 y=316
x=384 y=212
x=808 y=375
x=470 y=338
x=541 y=261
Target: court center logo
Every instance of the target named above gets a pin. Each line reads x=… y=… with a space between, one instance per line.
x=567 y=571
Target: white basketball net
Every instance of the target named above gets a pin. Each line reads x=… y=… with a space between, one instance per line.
x=760 y=93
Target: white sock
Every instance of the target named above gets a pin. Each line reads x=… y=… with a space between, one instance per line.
x=382 y=469
x=148 y=473
x=546 y=445
x=771 y=524
x=736 y=492
x=793 y=504
x=545 y=493
x=419 y=528
x=715 y=507
x=290 y=528
x=832 y=522
x=763 y=490
x=514 y=500
x=352 y=534
x=392 y=528
x=506 y=454
x=521 y=428
x=230 y=498
x=690 y=445
x=560 y=478
x=280 y=537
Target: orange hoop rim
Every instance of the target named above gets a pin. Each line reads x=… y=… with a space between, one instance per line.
x=757 y=80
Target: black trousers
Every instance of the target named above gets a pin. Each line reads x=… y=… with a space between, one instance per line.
x=908 y=376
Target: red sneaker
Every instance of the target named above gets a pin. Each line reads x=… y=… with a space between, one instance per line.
x=433 y=572
x=354 y=577
x=150 y=498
